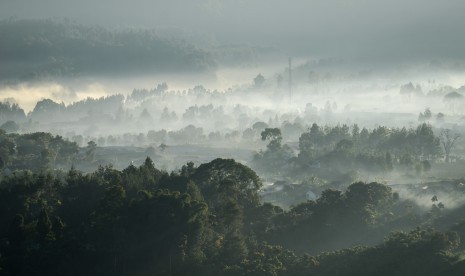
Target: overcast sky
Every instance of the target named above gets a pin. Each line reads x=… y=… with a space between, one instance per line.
x=382 y=30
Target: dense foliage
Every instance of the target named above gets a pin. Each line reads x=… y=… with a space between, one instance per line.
x=206 y=220
x=332 y=151
x=36 y=152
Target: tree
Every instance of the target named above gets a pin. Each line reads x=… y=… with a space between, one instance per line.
x=426 y=142
x=16 y=230
x=47 y=157
x=10 y=126
x=145 y=116
x=168 y=116
x=368 y=201
x=344 y=146
x=406 y=161
x=355 y=133
x=448 y=140
x=7 y=152
x=188 y=169
x=452 y=99
x=44 y=227
x=274 y=136
x=90 y=150
x=410 y=89
x=248 y=134
x=425 y=116
x=309 y=143
x=162 y=147
x=47 y=109
x=259 y=80
x=259 y=126
x=243 y=183
x=440 y=117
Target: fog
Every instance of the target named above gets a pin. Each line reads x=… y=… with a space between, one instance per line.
x=259 y=130
x=393 y=42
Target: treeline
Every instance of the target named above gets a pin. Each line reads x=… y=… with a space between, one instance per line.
x=41 y=151
x=206 y=220
x=11 y=112
x=45 y=48
x=92 y=114
x=116 y=108
x=347 y=148
x=378 y=150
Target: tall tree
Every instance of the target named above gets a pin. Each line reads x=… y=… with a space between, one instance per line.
x=448 y=140
x=274 y=136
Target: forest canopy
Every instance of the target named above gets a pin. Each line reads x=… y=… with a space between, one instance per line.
x=206 y=220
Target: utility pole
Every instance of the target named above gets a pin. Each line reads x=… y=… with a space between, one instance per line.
x=290 y=79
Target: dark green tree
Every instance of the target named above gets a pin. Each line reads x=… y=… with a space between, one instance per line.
x=44 y=227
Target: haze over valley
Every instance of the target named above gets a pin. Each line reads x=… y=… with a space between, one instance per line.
x=220 y=137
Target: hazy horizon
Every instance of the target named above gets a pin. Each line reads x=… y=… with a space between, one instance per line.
x=376 y=31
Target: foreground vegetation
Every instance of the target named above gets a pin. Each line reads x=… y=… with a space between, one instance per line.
x=209 y=220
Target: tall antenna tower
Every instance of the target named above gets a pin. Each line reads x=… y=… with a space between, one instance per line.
x=290 y=79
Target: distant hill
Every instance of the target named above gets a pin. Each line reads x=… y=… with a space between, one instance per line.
x=32 y=49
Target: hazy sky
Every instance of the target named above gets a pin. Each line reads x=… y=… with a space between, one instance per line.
x=383 y=30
